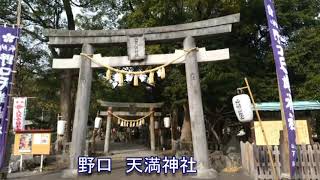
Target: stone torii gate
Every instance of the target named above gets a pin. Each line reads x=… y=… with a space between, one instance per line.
x=132 y=113
x=136 y=40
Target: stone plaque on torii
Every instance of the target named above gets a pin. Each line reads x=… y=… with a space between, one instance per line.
x=136 y=40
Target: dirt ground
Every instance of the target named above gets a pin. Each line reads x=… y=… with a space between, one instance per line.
x=118 y=173
x=118 y=153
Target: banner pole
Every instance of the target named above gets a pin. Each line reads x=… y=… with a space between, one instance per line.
x=5 y=169
x=262 y=130
x=289 y=146
x=19 y=13
x=284 y=150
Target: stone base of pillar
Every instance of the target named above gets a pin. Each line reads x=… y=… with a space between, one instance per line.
x=69 y=173
x=285 y=176
x=203 y=173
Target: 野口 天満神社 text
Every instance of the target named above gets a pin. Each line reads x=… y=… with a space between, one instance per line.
x=146 y=165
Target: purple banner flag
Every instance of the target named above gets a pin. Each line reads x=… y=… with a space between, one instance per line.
x=8 y=42
x=283 y=81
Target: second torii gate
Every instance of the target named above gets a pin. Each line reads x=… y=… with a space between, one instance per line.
x=136 y=40
x=131 y=106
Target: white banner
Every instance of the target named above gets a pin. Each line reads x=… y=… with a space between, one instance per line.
x=19 y=113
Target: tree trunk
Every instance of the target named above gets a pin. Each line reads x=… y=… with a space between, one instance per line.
x=186 y=127
x=65 y=102
x=174 y=124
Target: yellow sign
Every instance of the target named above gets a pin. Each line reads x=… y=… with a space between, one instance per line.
x=273 y=128
x=32 y=143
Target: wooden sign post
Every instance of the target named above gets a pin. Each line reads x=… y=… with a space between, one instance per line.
x=32 y=142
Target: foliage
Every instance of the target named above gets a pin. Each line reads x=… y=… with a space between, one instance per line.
x=249 y=44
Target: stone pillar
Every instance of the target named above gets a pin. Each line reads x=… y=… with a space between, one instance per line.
x=108 y=130
x=151 y=129
x=81 y=111
x=199 y=139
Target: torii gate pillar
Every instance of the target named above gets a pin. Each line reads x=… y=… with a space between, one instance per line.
x=108 y=130
x=151 y=130
x=82 y=109
x=199 y=139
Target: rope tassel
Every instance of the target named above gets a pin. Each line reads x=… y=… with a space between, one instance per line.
x=120 y=80
x=136 y=80
x=162 y=73
x=151 y=78
x=108 y=74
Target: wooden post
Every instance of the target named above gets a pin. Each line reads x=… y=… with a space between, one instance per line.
x=58 y=144
x=151 y=129
x=199 y=139
x=161 y=132
x=108 y=130
x=10 y=136
x=21 y=159
x=81 y=111
x=284 y=150
x=41 y=163
x=93 y=140
x=269 y=149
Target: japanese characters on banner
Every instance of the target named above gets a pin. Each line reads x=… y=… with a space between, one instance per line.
x=8 y=39
x=283 y=81
x=19 y=113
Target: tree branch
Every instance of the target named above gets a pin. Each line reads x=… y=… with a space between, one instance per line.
x=68 y=9
x=131 y=6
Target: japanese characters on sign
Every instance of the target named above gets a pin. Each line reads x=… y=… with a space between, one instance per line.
x=283 y=81
x=8 y=41
x=19 y=113
x=147 y=165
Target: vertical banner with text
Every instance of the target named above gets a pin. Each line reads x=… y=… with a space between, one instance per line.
x=8 y=42
x=19 y=113
x=283 y=81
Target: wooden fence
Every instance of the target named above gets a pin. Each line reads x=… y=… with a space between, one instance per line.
x=256 y=163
